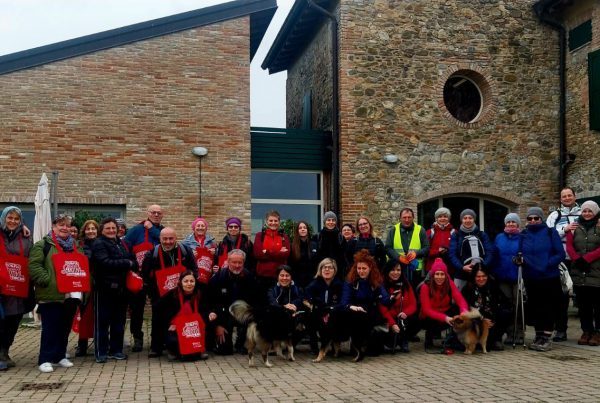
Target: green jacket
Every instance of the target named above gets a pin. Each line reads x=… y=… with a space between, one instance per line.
x=586 y=244
x=41 y=271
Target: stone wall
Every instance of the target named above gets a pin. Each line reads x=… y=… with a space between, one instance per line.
x=395 y=59
x=119 y=126
x=582 y=174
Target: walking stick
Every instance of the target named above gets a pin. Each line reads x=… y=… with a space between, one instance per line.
x=519 y=303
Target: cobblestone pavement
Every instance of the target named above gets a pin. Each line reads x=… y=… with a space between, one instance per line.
x=567 y=373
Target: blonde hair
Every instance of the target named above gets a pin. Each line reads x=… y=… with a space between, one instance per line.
x=324 y=262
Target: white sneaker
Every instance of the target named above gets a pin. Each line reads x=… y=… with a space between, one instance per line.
x=65 y=363
x=46 y=367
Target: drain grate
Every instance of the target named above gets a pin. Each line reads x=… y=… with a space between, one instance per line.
x=41 y=386
x=567 y=358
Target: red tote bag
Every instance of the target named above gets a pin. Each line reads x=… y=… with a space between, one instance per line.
x=190 y=330
x=14 y=272
x=141 y=249
x=204 y=262
x=167 y=278
x=72 y=270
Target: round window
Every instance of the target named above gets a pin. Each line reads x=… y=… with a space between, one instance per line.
x=465 y=94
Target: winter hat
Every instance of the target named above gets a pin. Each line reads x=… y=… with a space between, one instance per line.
x=438 y=265
x=121 y=222
x=197 y=220
x=468 y=211
x=592 y=205
x=535 y=211
x=233 y=220
x=328 y=215
x=440 y=211
x=5 y=213
x=512 y=217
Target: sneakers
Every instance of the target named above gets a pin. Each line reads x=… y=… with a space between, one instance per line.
x=594 y=340
x=65 y=363
x=559 y=336
x=584 y=340
x=46 y=367
x=101 y=359
x=117 y=356
x=541 y=343
x=138 y=344
x=3 y=366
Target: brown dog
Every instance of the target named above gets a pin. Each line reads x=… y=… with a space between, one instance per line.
x=471 y=329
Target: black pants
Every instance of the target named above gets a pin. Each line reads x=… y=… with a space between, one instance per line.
x=57 y=319
x=543 y=300
x=8 y=329
x=137 y=303
x=588 y=301
x=109 y=326
x=159 y=330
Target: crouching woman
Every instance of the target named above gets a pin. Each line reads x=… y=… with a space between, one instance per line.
x=182 y=309
x=440 y=302
x=362 y=293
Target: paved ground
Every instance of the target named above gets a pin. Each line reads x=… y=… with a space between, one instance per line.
x=567 y=373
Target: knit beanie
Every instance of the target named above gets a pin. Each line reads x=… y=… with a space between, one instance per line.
x=233 y=220
x=468 y=211
x=513 y=217
x=328 y=215
x=197 y=220
x=438 y=265
x=535 y=211
x=592 y=205
x=440 y=211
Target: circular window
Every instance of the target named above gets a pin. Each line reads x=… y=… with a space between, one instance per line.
x=466 y=95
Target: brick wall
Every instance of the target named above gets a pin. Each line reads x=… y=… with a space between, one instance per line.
x=119 y=126
x=395 y=57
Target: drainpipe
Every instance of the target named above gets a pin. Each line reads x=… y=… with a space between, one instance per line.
x=542 y=11
x=335 y=115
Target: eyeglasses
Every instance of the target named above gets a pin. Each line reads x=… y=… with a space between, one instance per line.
x=233 y=226
x=328 y=267
x=155 y=212
x=363 y=224
x=534 y=218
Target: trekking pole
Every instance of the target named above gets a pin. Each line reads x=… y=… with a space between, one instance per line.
x=519 y=303
x=522 y=292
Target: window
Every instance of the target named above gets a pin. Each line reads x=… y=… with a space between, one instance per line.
x=594 y=89
x=490 y=214
x=580 y=35
x=295 y=194
x=466 y=96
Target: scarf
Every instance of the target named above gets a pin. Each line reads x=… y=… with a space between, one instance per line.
x=67 y=245
x=512 y=231
x=588 y=224
x=468 y=230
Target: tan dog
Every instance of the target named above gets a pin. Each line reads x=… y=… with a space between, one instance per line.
x=471 y=329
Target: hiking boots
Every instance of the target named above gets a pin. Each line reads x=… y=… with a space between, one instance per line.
x=594 y=340
x=584 y=340
x=541 y=343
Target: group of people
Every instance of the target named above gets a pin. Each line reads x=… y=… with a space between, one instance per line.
x=335 y=285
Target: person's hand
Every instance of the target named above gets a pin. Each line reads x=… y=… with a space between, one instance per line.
x=402 y=315
x=212 y=316
x=195 y=252
x=212 y=251
x=148 y=224
x=283 y=249
x=518 y=260
x=290 y=307
x=571 y=226
x=171 y=328
x=468 y=268
x=395 y=328
x=26 y=231
x=357 y=309
x=403 y=259
x=489 y=322
x=264 y=251
x=442 y=250
x=449 y=320
x=220 y=333
x=410 y=256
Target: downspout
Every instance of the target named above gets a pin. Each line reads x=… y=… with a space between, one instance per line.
x=544 y=16
x=335 y=115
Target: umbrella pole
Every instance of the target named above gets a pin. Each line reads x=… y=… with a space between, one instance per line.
x=53 y=194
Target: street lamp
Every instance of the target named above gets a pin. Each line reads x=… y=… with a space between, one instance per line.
x=199 y=152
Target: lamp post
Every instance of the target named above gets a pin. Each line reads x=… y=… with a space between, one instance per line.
x=199 y=152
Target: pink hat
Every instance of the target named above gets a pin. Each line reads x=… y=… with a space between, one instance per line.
x=197 y=220
x=438 y=265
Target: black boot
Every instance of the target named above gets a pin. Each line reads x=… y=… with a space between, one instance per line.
x=81 y=349
x=138 y=344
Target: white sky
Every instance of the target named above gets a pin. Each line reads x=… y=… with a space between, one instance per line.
x=26 y=24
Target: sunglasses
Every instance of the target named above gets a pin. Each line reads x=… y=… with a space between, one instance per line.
x=534 y=218
x=233 y=226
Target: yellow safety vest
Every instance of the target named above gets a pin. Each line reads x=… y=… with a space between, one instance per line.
x=415 y=242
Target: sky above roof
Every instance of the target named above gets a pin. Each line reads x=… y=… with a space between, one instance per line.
x=26 y=24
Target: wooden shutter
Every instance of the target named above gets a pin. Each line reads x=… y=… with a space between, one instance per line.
x=594 y=85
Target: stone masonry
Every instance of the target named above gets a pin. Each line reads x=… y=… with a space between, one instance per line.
x=119 y=126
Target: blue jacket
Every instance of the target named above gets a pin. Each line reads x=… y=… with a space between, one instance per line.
x=542 y=252
x=460 y=251
x=323 y=296
x=507 y=247
x=280 y=296
x=361 y=294
x=135 y=235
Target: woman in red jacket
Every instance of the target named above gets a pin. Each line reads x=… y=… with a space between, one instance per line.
x=440 y=301
x=403 y=306
x=439 y=237
x=271 y=250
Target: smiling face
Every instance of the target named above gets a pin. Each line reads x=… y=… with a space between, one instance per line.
x=284 y=278
x=468 y=221
x=406 y=218
x=347 y=233
x=188 y=283
x=481 y=278
x=443 y=219
x=235 y=263
x=109 y=230
x=587 y=214
x=273 y=222
x=233 y=230
x=567 y=198
x=62 y=229
x=168 y=239
x=395 y=273
x=200 y=228
x=363 y=270
x=327 y=271
x=511 y=225
x=155 y=214
x=439 y=277
x=13 y=220
x=363 y=226
x=330 y=223
x=90 y=231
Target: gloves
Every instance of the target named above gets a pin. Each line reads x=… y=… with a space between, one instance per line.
x=518 y=260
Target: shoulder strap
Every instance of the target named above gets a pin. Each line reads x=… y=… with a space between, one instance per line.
x=432 y=233
x=47 y=247
x=558 y=216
